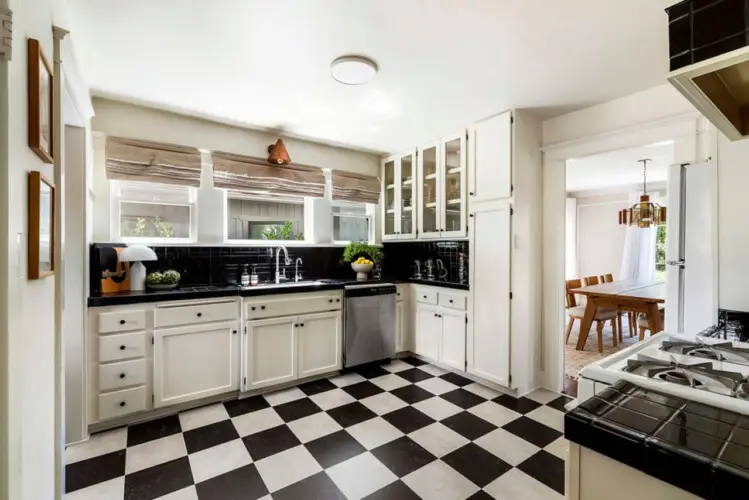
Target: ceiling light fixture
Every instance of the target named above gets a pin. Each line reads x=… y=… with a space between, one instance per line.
x=353 y=70
x=644 y=214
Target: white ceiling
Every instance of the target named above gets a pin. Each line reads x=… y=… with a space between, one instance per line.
x=619 y=169
x=443 y=63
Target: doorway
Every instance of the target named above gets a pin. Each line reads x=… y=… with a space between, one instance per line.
x=599 y=249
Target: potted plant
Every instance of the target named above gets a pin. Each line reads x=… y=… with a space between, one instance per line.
x=362 y=257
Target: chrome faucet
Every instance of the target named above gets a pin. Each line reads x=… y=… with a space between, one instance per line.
x=286 y=260
x=297 y=276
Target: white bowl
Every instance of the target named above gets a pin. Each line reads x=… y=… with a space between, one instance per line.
x=362 y=270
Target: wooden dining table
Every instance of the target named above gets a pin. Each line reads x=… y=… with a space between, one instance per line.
x=642 y=296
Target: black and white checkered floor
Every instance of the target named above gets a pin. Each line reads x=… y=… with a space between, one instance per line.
x=406 y=430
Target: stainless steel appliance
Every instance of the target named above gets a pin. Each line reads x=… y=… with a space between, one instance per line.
x=368 y=323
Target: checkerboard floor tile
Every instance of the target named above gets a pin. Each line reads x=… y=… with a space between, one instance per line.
x=406 y=430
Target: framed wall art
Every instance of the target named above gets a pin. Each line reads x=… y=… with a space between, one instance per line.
x=41 y=226
x=41 y=100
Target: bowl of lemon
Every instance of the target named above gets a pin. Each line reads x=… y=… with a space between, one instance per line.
x=362 y=266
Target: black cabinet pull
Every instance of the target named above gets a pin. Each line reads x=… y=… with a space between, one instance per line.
x=451 y=301
x=337 y=300
x=200 y=314
x=302 y=324
x=262 y=307
x=470 y=215
x=122 y=375
x=296 y=325
x=425 y=296
x=234 y=332
x=253 y=308
x=470 y=194
x=122 y=348
x=122 y=321
x=122 y=403
x=330 y=300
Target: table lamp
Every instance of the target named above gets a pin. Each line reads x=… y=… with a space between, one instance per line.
x=135 y=254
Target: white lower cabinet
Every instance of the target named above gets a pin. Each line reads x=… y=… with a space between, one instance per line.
x=318 y=343
x=401 y=341
x=428 y=331
x=453 y=351
x=195 y=362
x=270 y=352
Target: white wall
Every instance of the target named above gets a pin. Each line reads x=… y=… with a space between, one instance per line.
x=570 y=238
x=600 y=239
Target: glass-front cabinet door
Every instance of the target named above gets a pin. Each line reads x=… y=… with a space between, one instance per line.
x=452 y=194
x=429 y=186
x=407 y=189
x=389 y=199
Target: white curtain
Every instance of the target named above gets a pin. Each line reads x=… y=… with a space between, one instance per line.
x=638 y=258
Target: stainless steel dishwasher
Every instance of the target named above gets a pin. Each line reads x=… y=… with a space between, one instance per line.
x=368 y=323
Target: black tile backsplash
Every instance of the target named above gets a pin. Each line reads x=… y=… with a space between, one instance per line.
x=202 y=265
x=400 y=257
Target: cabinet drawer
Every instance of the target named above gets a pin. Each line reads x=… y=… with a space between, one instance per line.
x=123 y=346
x=122 y=321
x=116 y=375
x=276 y=306
x=120 y=403
x=194 y=314
x=453 y=301
x=426 y=296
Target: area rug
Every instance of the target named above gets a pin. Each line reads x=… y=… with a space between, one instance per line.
x=575 y=360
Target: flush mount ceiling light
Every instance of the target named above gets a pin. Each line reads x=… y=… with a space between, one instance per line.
x=353 y=70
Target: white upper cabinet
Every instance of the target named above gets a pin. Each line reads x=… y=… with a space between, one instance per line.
x=452 y=190
x=490 y=154
x=398 y=188
x=195 y=362
x=429 y=216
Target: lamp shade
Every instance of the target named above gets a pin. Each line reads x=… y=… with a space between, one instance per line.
x=137 y=253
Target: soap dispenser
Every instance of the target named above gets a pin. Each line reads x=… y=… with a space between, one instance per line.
x=253 y=277
x=245 y=280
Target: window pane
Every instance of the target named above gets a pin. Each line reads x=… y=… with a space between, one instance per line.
x=249 y=219
x=350 y=228
x=153 y=220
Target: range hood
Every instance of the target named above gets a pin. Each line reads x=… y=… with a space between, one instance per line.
x=709 y=58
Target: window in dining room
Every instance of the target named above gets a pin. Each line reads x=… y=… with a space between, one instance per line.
x=660 y=254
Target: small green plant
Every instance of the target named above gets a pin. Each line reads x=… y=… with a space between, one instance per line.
x=140 y=226
x=285 y=232
x=165 y=229
x=357 y=247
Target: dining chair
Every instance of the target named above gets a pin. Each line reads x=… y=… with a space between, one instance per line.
x=642 y=322
x=575 y=311
x=609 y=278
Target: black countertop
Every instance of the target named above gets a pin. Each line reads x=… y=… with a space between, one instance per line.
x=208 y=292
x=695 y=447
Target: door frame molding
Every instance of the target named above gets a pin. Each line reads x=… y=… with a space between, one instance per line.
x=694 y=140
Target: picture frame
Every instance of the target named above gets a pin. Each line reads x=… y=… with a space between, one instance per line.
x=41 y=102
x=41 y=251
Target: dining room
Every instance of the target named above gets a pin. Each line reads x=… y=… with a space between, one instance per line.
x=615 y=253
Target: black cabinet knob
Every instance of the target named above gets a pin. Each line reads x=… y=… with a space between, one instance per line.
x=262 y=307
x=122 y=375
x=337 y=300
x=200 y=314
x=122 y=348
x=122 y=403
x=451 y=301
x=122 y=321
x=330 y=300
x=253 y=308
x=234 y=332
x=425 y=296
x=471 y=194
x=296 y=325
x=302 y=324
x=470 y=215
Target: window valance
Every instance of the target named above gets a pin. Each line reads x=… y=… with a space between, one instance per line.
x=147 y=161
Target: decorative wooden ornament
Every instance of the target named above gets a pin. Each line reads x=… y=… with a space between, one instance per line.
x=278 y=153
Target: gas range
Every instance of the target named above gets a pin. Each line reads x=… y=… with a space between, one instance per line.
x=707 y=370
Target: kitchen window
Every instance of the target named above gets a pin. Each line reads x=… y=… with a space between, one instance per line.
x=353 y=222
x=250 y=217
x=145 y=211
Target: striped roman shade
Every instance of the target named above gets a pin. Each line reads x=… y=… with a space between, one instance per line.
x=356 y=187
x=249 y=174
x=146 y=161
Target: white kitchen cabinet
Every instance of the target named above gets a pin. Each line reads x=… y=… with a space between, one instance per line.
x=452 y=190
x=453 y=344
x=401 y=343
x=428 y=331
x=489 y=337
x=429 y=216
x=398 y=188
x=490 y=156
x=270 y=352
x=194 y=362
x=319 y=343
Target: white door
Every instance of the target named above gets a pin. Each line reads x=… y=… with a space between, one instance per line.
x=401 y=342
x=453 y=190
x=428 y=331
x=491 y=158
x=691 y=248
x=319 y=344
x=453 y=351
x=489 y=338
x=270 y=352
x=428 y=191
x=194 y=362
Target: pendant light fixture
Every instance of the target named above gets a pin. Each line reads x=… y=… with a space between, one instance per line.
x=644 y=214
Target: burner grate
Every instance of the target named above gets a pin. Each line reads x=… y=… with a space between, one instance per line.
x=732 y=325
